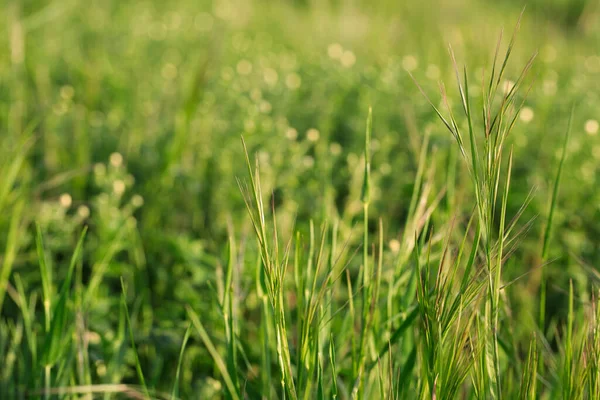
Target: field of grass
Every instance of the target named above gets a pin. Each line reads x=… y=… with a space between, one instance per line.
x=299 y=199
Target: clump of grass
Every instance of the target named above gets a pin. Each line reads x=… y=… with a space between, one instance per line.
x=484 y=151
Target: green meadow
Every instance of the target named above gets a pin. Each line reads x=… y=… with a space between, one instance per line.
x=299 y=199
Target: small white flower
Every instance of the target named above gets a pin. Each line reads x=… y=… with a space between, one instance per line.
x=93 y=338
x=101 y=369
x=255 y=94
x=348 y=59
x=137 y=200
x=394 y=245
x=526 y=114
x=83 y=211
x=308 y=161
x=67 y=92
x=410 y=63
x=265 y=107
x=591 y=126
x=116 y=160
x=119 y=187
x=99 y=169
x=335 y=149
x=244 y=67
x=65 y=200
x=270 y=76
x=291 y=133
x=335 y=51
x=312 y=135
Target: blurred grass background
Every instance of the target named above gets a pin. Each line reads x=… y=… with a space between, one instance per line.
x=126 y=116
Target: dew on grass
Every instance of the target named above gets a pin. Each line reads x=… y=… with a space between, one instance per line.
x=60 y=109
x=293 y=81
x=244 y=67
x=255 y=95
x=101 y=369
x=526 y=114
x=227 y=74
x=348 y=59
x=291 y=134
x=118 y=187
x=335 y=51
x=591 y=127
x=394 y=246
x=410 y=62
x=99 y=169
x=312 y=135
x=116 y=159
x=65 y=200
x=93 y=338
x=308 y=161
x=335 y=149
x=265 y=107
x=83 y=211
x=67 y=92
x=270 y=76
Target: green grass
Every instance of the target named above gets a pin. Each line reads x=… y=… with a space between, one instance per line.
x=400 y=218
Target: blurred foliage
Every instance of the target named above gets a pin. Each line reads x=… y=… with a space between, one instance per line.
x=126 y=116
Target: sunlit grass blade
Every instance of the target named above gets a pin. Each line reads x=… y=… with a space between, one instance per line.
x=12 y=247
x=138 y=365
x=186 y=336
x=220 y=364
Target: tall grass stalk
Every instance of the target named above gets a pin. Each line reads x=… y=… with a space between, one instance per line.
x=274 y=269
x=548 y=228
x=367 y=278
x=485 y=162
